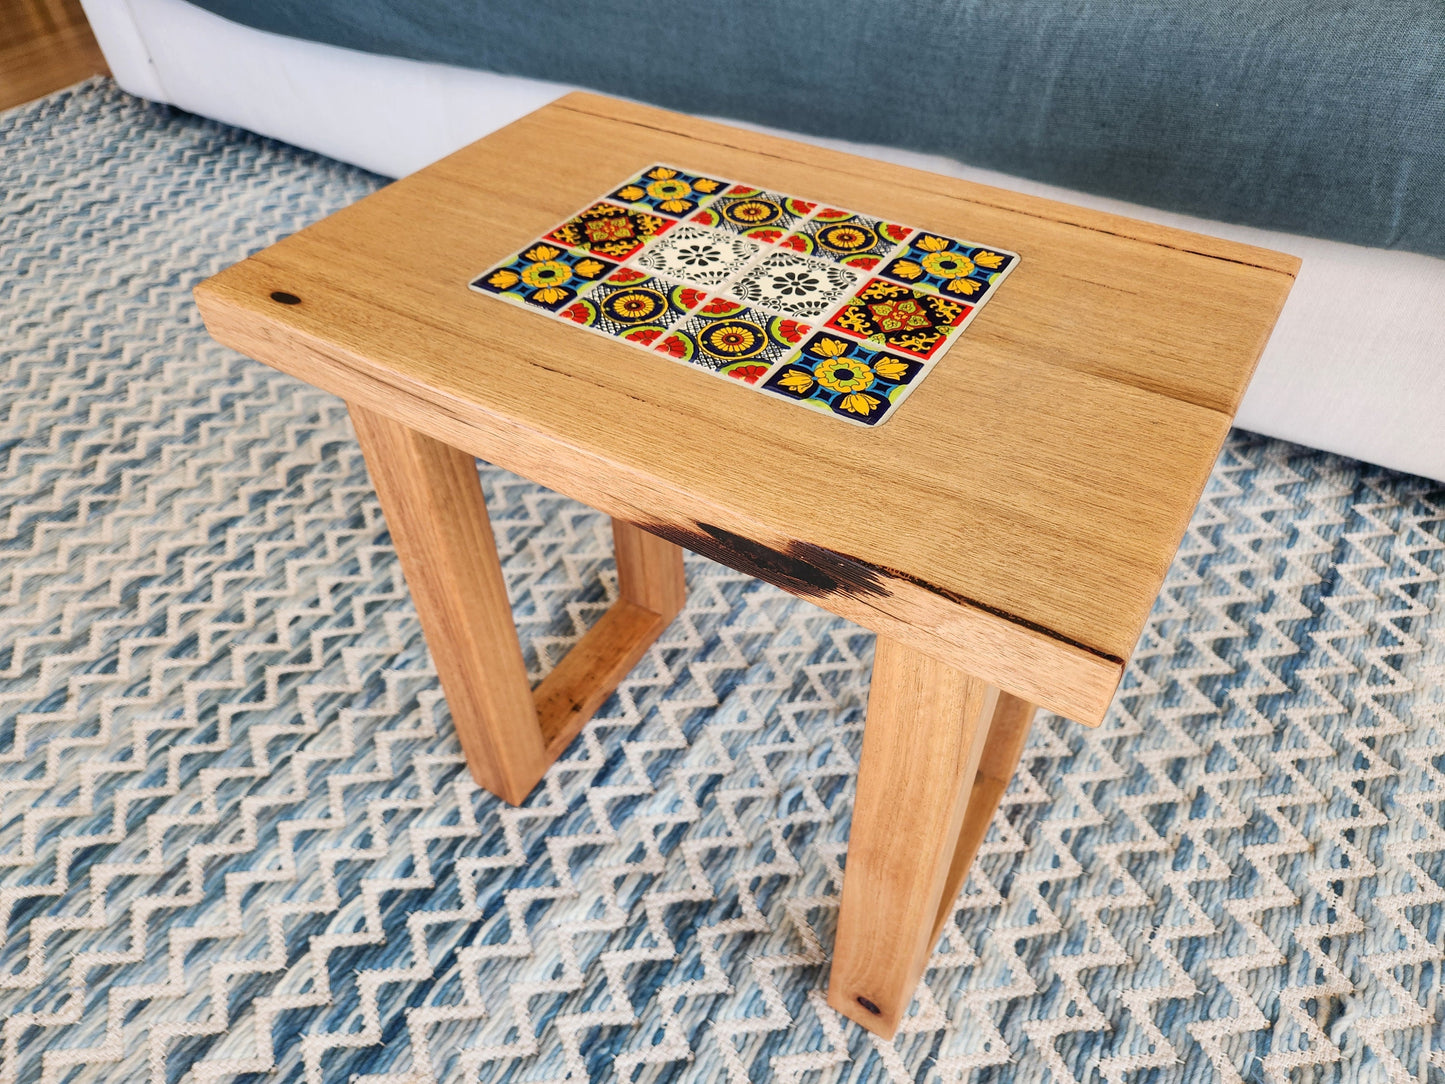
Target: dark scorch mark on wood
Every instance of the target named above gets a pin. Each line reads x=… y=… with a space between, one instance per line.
x=817 y=572
x=802 y=568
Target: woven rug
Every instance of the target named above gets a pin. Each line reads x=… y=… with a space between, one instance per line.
x=237 y=841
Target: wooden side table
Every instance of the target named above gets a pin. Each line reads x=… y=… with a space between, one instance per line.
x=1005 y=533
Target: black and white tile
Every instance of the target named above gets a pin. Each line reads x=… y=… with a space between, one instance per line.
x=796 y=285
x=698 y=254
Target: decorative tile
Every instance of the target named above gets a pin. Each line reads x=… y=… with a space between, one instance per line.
x=695 y=254
x=723 y=276
x=668 y=191
x=915 y=323
x=748 y=337
x=749 y=372
x=545 y=276
x=754 y=212
x=796 y=285
x=605 y=229
x=852 y=239
x=719 y=306
x=633 y=306
x=953 y=268
x=854 y=381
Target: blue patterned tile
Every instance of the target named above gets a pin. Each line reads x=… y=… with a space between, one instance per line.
x=544 y=276
x=847 y=378
x=668 y=191
x=955 y=269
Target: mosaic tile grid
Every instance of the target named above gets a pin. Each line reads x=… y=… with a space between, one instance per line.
x=750 y=335
x=844 y=377
x=700 y=255
x=755 y=212
x=836 y=310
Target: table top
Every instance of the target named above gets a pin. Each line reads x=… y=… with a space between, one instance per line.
x=1016 y=518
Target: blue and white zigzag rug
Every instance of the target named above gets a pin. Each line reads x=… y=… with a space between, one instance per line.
x=237 y=841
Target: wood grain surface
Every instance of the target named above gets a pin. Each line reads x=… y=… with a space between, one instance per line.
x=1015 y=519
x=437 y=517
x=44 y=45
x=652 y=592
x=438 y=522
x=1008 y=733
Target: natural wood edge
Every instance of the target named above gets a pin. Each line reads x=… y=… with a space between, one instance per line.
x=1003 y=733
x=1073 y=680
x=589 y=673
x=618 y=109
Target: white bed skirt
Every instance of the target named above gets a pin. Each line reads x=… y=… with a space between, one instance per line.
x=1355 y=366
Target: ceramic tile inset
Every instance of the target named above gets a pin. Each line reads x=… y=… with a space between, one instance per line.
x=695 y=254
x=747 y=337
x=796 y=285
x=668 y=191
x=545 y=276
x=633 y=306
x=854 y=381
x=839 y=311
x=953 y=268
x=894 y=316
x=754 y=212
x=605 y=229
x=749 y=372
x=718 y=306
x=852 y=239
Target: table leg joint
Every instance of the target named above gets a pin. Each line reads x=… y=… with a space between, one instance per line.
x=437 y=516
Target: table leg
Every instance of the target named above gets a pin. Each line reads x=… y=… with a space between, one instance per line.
x=432 y=499
x=652 y=592
x=938 y=748
x=1008 y=733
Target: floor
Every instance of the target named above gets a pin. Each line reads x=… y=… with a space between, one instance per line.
x=44 y=45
